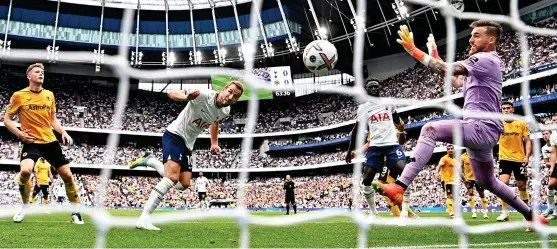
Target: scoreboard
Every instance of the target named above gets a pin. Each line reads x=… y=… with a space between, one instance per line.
x=281 y=76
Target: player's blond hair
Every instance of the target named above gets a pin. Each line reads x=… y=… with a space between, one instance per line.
x=39 y=65
x=238 y=85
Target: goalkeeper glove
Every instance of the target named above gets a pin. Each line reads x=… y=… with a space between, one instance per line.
x=407 y=41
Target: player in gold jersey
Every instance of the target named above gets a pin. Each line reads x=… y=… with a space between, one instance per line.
x=515 y=149
x=36 y=110
x=470 y=183
x=446 y=169
x=43 y=178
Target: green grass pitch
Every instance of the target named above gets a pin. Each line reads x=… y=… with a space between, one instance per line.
x=57 y=231
x=219 y=82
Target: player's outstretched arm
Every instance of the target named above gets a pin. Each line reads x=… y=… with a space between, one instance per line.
x=214 y=131
x=352 y=144
x=436 y=65
x=183 y=95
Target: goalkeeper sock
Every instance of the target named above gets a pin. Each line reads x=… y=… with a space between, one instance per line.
x=450 y=205
x=394 y=208
x=524 y=196
x=484 y=204
x=472 y=203
x=551 y=199
x=287 y=208
x=295 y=211
x=369 y=194
x=505 y=207
x=157 y=196
x=156 y=165
x=25 y=186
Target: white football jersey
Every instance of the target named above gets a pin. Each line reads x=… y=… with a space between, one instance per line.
x=546 y=151
x=380 y=122
x=198 y=115
x=201 y=184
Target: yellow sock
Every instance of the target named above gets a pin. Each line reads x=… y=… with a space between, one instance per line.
x=394 y=208
x=25 y=186
x=450 y=205
x=504 y=206
x=524 y=196
x=472 y=202
x=484 y=203
x=71 y=192
x=45 y=201
x=410 y=212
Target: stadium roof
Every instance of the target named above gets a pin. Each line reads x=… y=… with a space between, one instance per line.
x=157 y=4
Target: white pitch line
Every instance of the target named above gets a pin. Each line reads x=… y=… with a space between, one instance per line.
x=470 y=245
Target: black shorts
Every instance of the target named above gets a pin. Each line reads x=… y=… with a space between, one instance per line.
x=289 y=199
x=385 y=173
x=510 y=167
x=474 y=184
x=60 y=199
x=52 y=152
x=448 y=189
x=202 y=195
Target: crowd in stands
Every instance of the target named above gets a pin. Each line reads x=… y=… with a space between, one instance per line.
x=152 y=112
x=311 y=191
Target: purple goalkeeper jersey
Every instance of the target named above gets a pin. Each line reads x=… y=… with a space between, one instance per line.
x=484 y=85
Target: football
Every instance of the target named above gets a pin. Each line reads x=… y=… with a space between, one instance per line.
x=320 y=57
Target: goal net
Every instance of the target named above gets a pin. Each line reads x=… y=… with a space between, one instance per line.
x=103 y=220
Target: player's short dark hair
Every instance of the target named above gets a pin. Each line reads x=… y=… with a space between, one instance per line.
x=372 y=79
x=450 y=145
x=493 y=28
x=504 y=103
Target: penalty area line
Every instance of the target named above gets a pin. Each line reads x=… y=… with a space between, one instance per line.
x=469 y=245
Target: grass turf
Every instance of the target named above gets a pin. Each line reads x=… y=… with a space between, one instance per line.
x=219 y=82
x=57 y=231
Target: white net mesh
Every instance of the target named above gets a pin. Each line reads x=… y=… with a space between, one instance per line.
x=103 y=221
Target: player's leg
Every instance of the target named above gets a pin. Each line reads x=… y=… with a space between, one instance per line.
x=470 y=190
x=505 y=171
x=483 y=167
x=29 y=154
x=44 y=191
x=481 y=193
x=36 y=190
x=172 y=174
x=293 y=203
x=173 y=148
x=385 y=177
x=551 y=195
x=449 y=201
x=431 y=132
x=54 y=155
x=369 y=174
x=521 y=182
x=71 y=191
x=148 y=160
